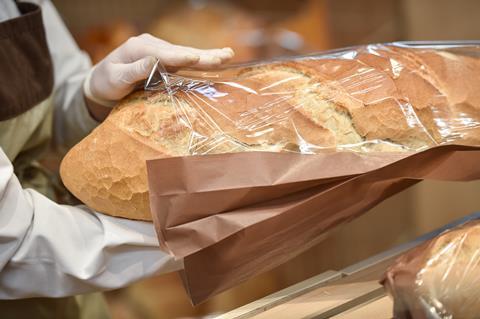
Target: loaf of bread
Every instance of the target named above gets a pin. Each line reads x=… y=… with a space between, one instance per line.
x=439 y=279
x=377 y=98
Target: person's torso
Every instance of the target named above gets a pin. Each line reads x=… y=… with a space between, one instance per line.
x=26 y=112
x=26 y=84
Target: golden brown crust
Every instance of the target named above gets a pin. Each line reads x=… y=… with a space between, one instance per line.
x=107 y=171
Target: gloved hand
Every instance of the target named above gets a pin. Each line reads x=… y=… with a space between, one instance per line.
x=116 y=75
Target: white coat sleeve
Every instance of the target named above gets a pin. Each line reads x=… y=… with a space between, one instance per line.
x=53 y=250
x=72 y=121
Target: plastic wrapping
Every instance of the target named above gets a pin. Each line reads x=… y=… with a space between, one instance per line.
x=293 y=147
x=440 y=279
x=374 y=98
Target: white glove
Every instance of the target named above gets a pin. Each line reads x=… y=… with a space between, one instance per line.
x=116 y=75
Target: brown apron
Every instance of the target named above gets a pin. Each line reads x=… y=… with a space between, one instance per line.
x=26 y=111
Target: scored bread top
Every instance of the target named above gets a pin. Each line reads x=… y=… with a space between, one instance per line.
x=388 y=99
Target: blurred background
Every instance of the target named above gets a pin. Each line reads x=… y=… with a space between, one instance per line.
x=261 y=29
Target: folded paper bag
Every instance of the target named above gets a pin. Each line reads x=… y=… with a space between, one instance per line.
x=186 y=192
x=268 y=233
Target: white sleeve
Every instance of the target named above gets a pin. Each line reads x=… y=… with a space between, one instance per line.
x=53 y=250
x=71 y=65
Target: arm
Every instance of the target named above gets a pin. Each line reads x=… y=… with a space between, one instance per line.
x=54 y=250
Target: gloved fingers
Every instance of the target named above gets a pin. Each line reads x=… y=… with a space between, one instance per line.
x=208 y=61
x=176 y=57
x=137 y=48
x=224 y=54
x=173 y=55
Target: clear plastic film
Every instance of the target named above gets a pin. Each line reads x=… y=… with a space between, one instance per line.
x=439 y=279
x=378 y=98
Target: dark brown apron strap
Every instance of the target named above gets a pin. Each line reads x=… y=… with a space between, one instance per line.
x=26 y=70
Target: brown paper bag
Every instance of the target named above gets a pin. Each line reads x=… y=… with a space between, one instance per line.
x=191 y=194
x=234 y=216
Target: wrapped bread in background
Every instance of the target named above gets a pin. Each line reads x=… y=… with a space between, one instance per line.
x=439 y=279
